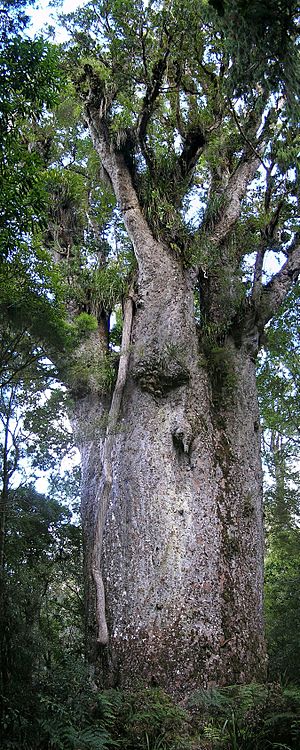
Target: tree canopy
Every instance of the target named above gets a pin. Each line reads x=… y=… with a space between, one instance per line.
x=209 y=141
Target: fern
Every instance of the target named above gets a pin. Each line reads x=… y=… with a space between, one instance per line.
x=92 y=738
x=250 y=717
x=63 y=736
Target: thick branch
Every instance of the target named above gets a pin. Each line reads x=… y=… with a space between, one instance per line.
x=192 y=147
x=151 y=95
x=114 y=412
x=120 y=177
x=267 y=237
x=275 y=291
x=232 y=197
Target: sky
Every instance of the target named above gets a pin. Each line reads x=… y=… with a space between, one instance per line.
x=45 y=14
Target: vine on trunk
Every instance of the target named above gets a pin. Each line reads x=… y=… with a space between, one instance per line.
x=102 y=637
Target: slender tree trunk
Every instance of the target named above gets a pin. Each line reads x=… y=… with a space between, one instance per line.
x=6 y=473
x=89 y=422
x=5 y=476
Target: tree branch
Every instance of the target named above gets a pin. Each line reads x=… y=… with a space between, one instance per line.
x=119 y=174
x=274 y=293
x=98 y=97
x=245 y=137
x=267 y=236
x=151 y=95
x=144 y=55
x=232 y=197
x=193 y=145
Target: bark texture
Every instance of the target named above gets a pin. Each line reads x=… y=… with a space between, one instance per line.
x=183 y=545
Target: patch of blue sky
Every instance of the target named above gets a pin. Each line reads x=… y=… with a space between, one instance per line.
x=45 y=14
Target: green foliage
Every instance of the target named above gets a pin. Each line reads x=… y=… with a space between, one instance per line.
x=85 y=323
x=278 y=375
x=31 y=297
x=109 y=284
x=13 y=18
x=115 y=336
x=29 y=81
x=260 y=39
x=30 y=78
x=278 y=383
x=91 y=371
x=65 y=736
x=33 y=408
x=248 y=717
x=81 y=721
x=160 y=213
x=282 y=603
x=147 y=720
x=40 y=617
x=188 y=58
x=41 y=603
x=84 y=231
x=69 y=712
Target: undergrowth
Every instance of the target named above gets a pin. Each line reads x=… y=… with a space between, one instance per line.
x=249 y=717
x=65 y=711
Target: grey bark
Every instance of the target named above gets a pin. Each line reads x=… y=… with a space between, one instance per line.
x=89 y=422
x=183 y=544
x=177 y=482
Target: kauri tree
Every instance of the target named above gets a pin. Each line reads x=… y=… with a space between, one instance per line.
x=191 y=109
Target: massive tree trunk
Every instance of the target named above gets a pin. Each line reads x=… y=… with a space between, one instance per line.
x=181 y=541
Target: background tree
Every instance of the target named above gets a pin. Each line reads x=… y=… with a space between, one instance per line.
x=29 y=82
x=40 y=584
x=278 y=383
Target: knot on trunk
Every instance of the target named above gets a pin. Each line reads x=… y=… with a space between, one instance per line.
x=159 y=373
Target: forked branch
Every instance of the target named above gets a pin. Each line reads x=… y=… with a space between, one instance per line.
x=149 y=102
x=192 y=148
